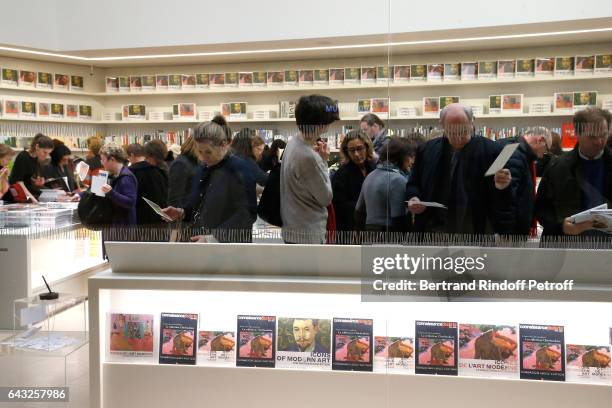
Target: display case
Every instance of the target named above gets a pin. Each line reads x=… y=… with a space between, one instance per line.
x=324 y=283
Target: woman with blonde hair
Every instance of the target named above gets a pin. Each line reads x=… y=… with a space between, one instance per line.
x=181 y=173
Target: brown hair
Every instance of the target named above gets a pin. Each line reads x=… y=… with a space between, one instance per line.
x=135 y=149
x=157 y=151
x=5 y=150
x=372 y=119
x=257 y=141
x=190 y=149
x=94 y=144
x=590 y=120
x=42 y=141
x=355 y=135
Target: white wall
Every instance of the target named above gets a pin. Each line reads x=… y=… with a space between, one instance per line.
x=65 y=25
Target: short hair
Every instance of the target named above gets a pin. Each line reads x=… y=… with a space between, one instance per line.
x=241 y=143
x=42 y=141
x=315 y=111
x=210 y=132
x=466 y=109
x=589 y=119
x=356 y=135
x=114 y=151
x=189 y=148
x=540 y=131
x=94 y=144
x=372 y=119
x=59 y=152
x=396 y=150
x=5 y=150
x=220 y=120
x=157 y=151
x=135 y=149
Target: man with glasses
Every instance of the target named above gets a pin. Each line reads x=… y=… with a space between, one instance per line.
x=450 y=170
x=532 y=147
x=578 y=180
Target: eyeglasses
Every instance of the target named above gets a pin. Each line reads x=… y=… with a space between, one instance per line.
x=359 y=149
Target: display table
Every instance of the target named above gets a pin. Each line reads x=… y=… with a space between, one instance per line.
x=232 y=279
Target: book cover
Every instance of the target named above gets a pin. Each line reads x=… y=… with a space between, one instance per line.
x=184 y=111
x=321 y=77
x=21 y=194
x=506 y=68
x=260 y=78
x=28 y=109
x=380 y=106
x=585 y=64
x=217 y=80
x=435 y=72
x=225 y=110
x=276 y=78
x=564 y=101
x=394 y=354
x=44 y=109
x=175 y=81
x=487 y=69
x=136 y=83
x=431 y=106
x=216 y=348
x=256 y=341
x=291 y=77
x=452 y=72
x=589 y=364
x=368 y=75
x=542 y=353
x=351 y=75
x=202 y=81
x=124 y=84
x=57 y=110
x=231 y=79
x=188 y=81
x=287 y=109
x=544 y=66
x=245 y=79
x=383 y=73
x=72 y=111
x=76 y=83
x=10 y=76
x=177 y=333
x=336 y=76
x=131 y=335
x=304 y=343
x=603 y=63
x=306 y=77
x=85 y=112
x=418 y=72
x=401 y=73
x=364 y=106
x=161 y=82
x=112 y=84
x=436 y=347
x=584 y=99
x=525 y=67
x=137 y=111
x=11 y=107
x=148 y=82
x=352 y=344
x=27 y=79
x=238 y=110
x=512 y=103
x=469 y=71
x=447 y=100
x=564 y=65
x=487 y=350
x=44 y=80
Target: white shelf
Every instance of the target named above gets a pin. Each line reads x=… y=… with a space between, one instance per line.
x=40 y=120
x=50 y=91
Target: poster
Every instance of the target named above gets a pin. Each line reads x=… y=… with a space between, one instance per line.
x=352 y=344
x=28 y=109
x=131 y=335
x=564 y=66
x=469 y=71
x=10 y=77
x=564 y=101
x=27 y=79
x=175 y=82
x=383 y=74
x=495 y=103
x=161 y=82
x=544 y=66
x=44 y=80
x=135 y=83
x=431 y=106
x=231 y=79
x=436 y=344
x=589 y=364
x=76 y=83
x=368 y=75
x=336 y=76
x=525 y=67
x=584 y=99
x=177 y=338
x=245 y=79
x=85 y=112
x=401 y=73
x=304 y=343
x=352 y=75
x=418 y=72
x=542 y=352
x=394 y=354
x=260 y=78
x=216 y=348
x=202 y=81
x=452 y=72
x=321 y=77
x=112 y=84
x=487 y=69
x=61 y=81
x=435 y=72
x=256 y=341
x=585 y=64
x=188 y=81
x=306 y=77
x=124 y=84
x=447 y=100
x=276 y=78
x=487 y=350
x=603 y=63
x=57 y=110
x=506 y=68
x=44 y=109
x=148 y=83
x=512 y=103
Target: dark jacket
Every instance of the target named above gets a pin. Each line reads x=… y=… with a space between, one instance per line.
x=381 y=141
x=123 y=196
x=346 y=186
x=224 y=199
x=24 y=169
x=152 y=184
x=561 y=191
x=487 y=209
x=260 y=176
x=64 y=178
x=180 y=179
x=522 y=183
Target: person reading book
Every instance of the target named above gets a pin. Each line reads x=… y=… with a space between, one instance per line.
x=6 y=154
x=122 y=188
x=28 y=164
x=58 y=173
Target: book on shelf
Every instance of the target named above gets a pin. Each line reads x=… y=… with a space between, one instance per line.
x=27 y=79
x=585 y=64
x=437 y=347
x=469 y=71
x=72 y=111
x=588 y=363
x=488 y=350
x=256 y=341
x=352 y=343
x=10 y=77
x=336 y=76
x=487 y=69
x=85 y=112
x=217 y=80
x=291 y=77
x=124 y=84
x=544 y=66
x=216 y=347
x=175 y=82
x=44 y=109
x=177 y=338
x=564 y=66
x=76 y=83
x=188 y=81
x=542 y=352
x=28 y=109
x=525 y=67
x=148 y=82
x=135 y=83
x=394 y=354
x=245 y=79
x=161 y=82
x=452 y=72
x=506 y=68
x=368 y=75
x=603 y=64
x=44 y=80
x=304 y=343
x=112 y=84
x=435 y=72
x=418 y=72
x=260 y=78
x=321 y=77
x=202 y=81
x=61 y=81
x=401 y=73
x=130 y=335
x=306 y=77
x=231 y=79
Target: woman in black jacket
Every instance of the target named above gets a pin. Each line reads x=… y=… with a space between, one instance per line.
x=27 y=167
x=181 y=173
x=271 y=156
x=152 y=176
x=242 y=146
x=358 y=161
x=57 y=172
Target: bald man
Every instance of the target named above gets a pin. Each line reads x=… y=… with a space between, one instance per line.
x=451 y=170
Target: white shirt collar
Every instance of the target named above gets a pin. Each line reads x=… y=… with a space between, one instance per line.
x=583 y=157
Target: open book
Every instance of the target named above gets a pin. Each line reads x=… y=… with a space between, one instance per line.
x=600 y=215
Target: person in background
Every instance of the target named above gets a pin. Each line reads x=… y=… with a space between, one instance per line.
x=27 y=167
x=224 y=203
x=173 y=151
x=242 y=146
x=181 y=174
x=357 y=157
x=59 y=169
x=381 y=203
x=554 y=152
x=92 y=158
x=6 y=155
x=258 y=146
x=305 y=188
x=122 y=188
x=578 y=180
x=271 y=157
x=532 y=146
x=414 y=140
x=135 y=153
x=450 y=170
x=374 y=127
x=152 y=181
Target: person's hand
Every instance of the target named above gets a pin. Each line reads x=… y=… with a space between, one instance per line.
x=38 y=181
x=200 y=239
x=415 y=206
x=173 y=213
x=4 y=173
x=106 y=189
x=502 y=179
x=323 y=149
x=569 y=228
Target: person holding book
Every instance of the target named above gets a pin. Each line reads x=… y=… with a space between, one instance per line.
x=122 y=187
x=152 y=176
x=6 y=155
x=578 y=180
x=58 y=172
x=27 y=168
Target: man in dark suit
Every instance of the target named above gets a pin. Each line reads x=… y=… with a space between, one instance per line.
x=305 y=335
x=451 y=170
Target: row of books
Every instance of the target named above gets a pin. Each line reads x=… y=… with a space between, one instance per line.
x=29 y=109
x=44 y=80
x=506 y=68
x=529 y=351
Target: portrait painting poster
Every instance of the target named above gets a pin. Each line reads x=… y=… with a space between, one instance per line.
x=304 y=343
